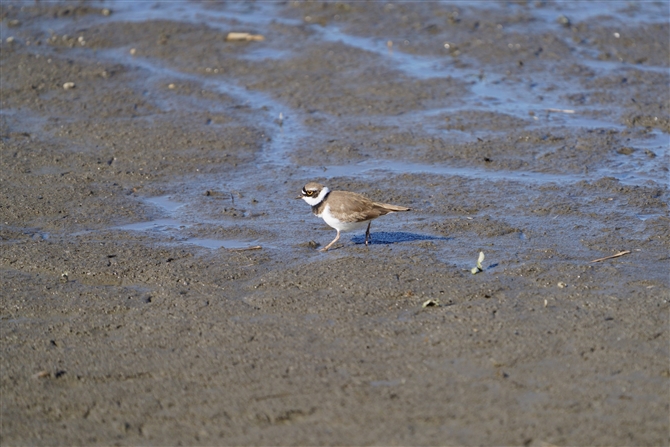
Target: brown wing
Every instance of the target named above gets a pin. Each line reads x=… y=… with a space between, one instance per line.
x=352 y=207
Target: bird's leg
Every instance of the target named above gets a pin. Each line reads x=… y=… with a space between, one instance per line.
x=367 y=234
x=337 y=238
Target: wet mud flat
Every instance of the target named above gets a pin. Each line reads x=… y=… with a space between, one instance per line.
x=145 y=158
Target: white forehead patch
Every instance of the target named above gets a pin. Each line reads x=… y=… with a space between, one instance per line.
x=313 y=201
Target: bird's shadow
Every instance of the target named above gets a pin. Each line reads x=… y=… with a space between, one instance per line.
x=395 y=237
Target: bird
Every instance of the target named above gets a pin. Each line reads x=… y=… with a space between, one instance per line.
x=344 y=210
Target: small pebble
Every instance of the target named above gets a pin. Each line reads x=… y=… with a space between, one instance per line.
x=68 y=85
x=133 y=51
x=562 y=20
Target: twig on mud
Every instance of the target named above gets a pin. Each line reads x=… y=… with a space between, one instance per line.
x=616 y=255
x=561 y=110
x=255 y=247
x=245 y=37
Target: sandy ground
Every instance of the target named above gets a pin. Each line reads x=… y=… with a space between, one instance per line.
x=535 y=132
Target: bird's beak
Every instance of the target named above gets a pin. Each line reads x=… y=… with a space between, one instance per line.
x=299 y=197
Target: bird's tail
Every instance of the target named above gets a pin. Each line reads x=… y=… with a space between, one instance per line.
x=393 y=208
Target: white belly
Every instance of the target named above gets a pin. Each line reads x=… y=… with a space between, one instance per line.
x=338 y=225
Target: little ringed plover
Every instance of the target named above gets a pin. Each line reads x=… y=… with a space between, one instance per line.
x=344 y=210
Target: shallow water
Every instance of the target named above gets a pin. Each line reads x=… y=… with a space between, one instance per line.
x=487 y=92
x=134 y=203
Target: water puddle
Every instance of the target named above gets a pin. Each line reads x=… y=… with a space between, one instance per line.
x=368 y=167
x=167 y=206
x=219 y=16
x=213 y=244
x=379 y=167
x=172 y=225
x=154 y=225
x=644 y=217
x=165 y=203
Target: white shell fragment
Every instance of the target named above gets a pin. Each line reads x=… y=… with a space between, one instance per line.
x=246 y=37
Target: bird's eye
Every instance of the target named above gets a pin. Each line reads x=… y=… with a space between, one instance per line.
x=309 y=193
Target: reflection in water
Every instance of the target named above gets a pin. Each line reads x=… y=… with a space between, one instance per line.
x=396 y=237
